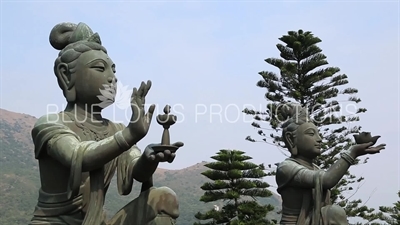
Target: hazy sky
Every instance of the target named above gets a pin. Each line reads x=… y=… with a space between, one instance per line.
x=204 y=57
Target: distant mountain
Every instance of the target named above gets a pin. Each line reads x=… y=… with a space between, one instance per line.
x=19 y=178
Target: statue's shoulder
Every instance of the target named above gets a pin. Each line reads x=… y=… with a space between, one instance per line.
x=54 y=121
x=288 y=164
x=286 y=171
x=53 y=118
x=288 y=168
x=45 y=128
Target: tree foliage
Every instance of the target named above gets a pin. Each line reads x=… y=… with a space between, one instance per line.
x=237 y=183
x=390 y=214
x=305 y=78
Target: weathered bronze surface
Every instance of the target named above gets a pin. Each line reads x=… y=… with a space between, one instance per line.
x=79 y=151
x=365 y=137
x=166 y=120
x=305 y=188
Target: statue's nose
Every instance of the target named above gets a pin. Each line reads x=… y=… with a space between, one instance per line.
x=112 y=80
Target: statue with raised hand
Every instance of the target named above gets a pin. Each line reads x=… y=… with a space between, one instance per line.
x=304 y=188
x=79 y=151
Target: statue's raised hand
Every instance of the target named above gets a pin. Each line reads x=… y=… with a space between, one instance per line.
x=140 y=121
x=367 y=148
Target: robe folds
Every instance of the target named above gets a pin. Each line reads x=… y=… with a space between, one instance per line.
x=312 y=200
x=82 y=203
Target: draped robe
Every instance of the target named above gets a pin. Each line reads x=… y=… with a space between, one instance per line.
x=86 y=190
x=310 y=200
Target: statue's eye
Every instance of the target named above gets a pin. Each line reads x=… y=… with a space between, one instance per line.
x=310 y=132
x=99 y=68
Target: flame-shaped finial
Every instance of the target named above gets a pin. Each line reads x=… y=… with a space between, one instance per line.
x=167 y=109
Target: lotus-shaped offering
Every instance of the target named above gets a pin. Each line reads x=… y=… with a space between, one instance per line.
x=365 y=137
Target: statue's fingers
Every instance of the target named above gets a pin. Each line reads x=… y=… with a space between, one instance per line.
x=367 y=145
x=141 y=89
x=160 y=156
x=152 y=157
x=147 y=88
x=381 y=148
x=135 y=111
x=378 y=148
x=140 y=104
x=134 y=95
x=171 y=157
x=149 y=115
x=374 y=150
x=370 y=151
x=134 y=103
x=167 y=153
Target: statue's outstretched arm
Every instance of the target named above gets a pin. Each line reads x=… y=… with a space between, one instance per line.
x=65 y=146
x=293 y=174
x=94 y=154
x=305 y=177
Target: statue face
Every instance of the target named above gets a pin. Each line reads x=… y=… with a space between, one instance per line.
x=308 y=141
x=94 y=69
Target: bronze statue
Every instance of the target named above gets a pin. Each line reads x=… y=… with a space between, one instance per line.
x=365 y=137
x=79 y=151
x=304 y=188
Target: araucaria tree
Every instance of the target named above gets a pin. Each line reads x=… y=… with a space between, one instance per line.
x=305 y=78
x=237 y=183
x=390 y=214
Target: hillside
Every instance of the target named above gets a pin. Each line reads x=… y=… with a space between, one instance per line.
x=19 y=177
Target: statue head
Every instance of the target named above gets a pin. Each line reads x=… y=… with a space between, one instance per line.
x=333 y=215
x=82 y=67
x=299 y=134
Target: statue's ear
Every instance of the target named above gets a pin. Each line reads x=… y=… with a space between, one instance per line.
x=63 y=75
x=289 y=137
x=66 y=82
